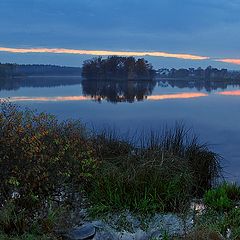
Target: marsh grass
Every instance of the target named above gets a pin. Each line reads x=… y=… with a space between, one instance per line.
x=161 y=174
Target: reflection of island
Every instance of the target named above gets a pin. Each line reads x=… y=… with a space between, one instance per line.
x=208 y=86
x=124 y=91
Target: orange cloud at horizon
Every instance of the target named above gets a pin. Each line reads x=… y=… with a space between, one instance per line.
x=230 y=93
x=229 y=60
x=102 y=52
x=176 y=96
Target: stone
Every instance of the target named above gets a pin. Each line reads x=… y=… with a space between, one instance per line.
x=104 y=235
x=86 y=231
x=157 y=234
x=141 y=235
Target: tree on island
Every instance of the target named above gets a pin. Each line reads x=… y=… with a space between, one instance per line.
x=117 y=68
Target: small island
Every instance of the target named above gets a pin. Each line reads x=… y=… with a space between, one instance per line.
x=118 y=68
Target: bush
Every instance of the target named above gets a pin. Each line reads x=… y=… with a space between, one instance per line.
x=42 y=162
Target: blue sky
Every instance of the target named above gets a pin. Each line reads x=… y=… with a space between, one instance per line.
x=199 y=27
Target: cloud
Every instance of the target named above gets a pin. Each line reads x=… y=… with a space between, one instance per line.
x=103 y=52
x=229 y=60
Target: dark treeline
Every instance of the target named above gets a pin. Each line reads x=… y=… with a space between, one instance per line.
x=121 y=91
x=46 y=70
x=6 y=70
x=15 y=70
x=118 y=68
x=209 y=73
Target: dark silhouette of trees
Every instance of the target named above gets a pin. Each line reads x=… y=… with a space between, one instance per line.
x=46 y=70
x=11 y=70
x=117 y=68
x=209 y=73
x=7 y=70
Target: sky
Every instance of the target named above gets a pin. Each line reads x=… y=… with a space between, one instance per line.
x=168 y=33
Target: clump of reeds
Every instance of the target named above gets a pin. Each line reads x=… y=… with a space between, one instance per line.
x=161 y=174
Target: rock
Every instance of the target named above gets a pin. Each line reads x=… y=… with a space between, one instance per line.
x=157 y=234
x=126 y=236
x=141 y=235
x=86 y=231
x=171 y=223
x=102 y=235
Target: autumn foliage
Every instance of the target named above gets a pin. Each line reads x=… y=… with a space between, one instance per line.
x=41 y=160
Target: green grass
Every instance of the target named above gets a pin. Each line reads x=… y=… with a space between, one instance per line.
x=222 y=198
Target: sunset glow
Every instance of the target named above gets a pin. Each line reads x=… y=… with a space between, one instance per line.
x=229 y=60
x=102 y=53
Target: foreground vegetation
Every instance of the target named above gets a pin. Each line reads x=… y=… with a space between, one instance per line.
x=49 y=168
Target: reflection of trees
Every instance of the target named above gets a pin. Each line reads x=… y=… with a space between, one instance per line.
x=124 y=91
x=208 y=86
x=16 y=83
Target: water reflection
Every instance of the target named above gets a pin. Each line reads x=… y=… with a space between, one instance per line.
x=49 y=82
x=49 y=99
x=111 y=91
x=230 y=93
x=176 y=96
x=99 y=98
x=127 y=91
x=208 y=86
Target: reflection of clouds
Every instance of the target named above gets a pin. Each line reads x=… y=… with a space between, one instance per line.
x=230 y=93
x=102 y=53
x=50 y=99
x=176 y=96
x=87 y=98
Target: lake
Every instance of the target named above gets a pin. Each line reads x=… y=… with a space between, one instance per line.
x=211 y=109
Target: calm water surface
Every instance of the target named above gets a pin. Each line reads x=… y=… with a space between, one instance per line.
x=211 y=109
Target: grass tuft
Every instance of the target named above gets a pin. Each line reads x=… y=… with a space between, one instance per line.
x=163 y=174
